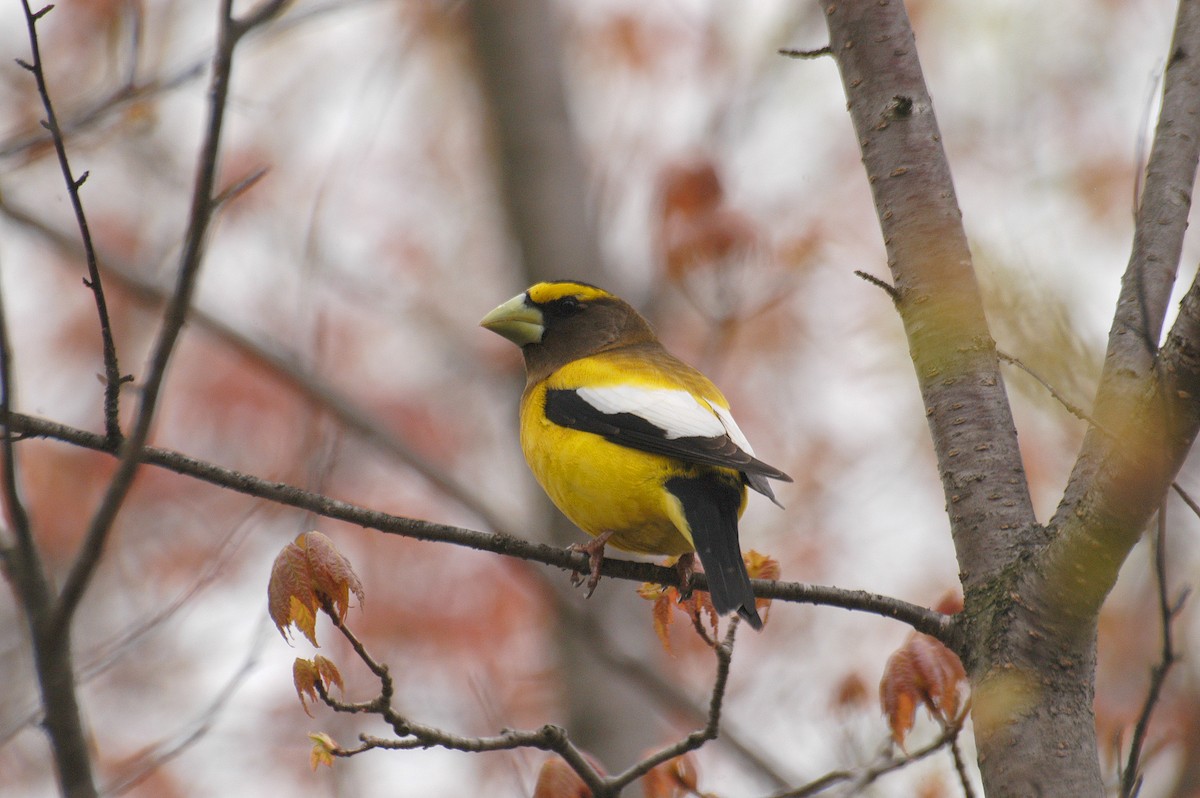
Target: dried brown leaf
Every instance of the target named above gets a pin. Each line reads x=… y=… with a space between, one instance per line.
x=304 y=677
x=921 y=672
x=331 y=573
x=290 y=595
x=306 y=674
x=307 y=574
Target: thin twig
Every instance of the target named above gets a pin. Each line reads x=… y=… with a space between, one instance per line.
x=22 y=558
x=230 y=31
x=1073 y=409
x=920 y=618
x=805 y=54
x=284 y=365
x=410 y=735
x=553 y=738
x=1083 y=415
x=884 y=285
x=667 y=694
x=1167 y=611
x=872 y=773
x=112 y=372
x=724 y=652
x=960 y=766
x=132 y=91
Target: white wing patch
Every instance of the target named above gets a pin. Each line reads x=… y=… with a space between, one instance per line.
x=677 y=413
x=732 y=430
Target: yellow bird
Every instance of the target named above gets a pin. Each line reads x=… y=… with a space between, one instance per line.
x=636 y=447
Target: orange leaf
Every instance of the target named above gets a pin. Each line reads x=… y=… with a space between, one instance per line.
x=306 y=574
x=328 y=672
x=306 y=674
x=322 y=751
x=922 y=671
x=660 y=612
x=762 y=566
x=289 y=593
x=332 y=575
x=556 y=779
x=697 y=607
x=304 y=677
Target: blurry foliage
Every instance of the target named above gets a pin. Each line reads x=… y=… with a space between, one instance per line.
x=730 y=199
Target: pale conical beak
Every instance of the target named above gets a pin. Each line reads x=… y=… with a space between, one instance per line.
x=517 y=321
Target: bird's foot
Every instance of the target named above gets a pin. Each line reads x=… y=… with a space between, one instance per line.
x=594 y=549
x=686 y=567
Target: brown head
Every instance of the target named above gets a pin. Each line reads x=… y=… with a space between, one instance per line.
x=557 y=322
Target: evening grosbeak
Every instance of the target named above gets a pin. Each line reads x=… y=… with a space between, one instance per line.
x=635 y=446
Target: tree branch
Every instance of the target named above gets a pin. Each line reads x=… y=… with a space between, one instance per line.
x=230 y=32
x=1167 y=612
x=921 y=618
x=1146 y=413
x=552 y=738
x=724 y=652
x=868 y=775
x=934 y=287
x=285 y=366
x=112 y=372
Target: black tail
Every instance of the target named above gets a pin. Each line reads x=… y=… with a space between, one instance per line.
x=710 y=506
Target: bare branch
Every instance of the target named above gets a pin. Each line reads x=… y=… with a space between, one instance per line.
x=229 y=33
x=286 y=367
x=553 y=738
x=20 y=557
x=934 y=287
x=693 y=741
x=662 y=691
x=1167 y=612
x=112 y=372
x=1146 y=400
x=868 y=775
x=923 y=619
x=411 y=735
x=133 y=91
x=805 y=54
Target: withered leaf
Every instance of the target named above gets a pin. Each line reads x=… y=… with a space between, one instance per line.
x=921 y=672
x=308 y=575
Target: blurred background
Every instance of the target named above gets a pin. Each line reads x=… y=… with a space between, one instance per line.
x=428 y=160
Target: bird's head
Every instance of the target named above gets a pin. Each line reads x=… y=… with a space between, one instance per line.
x=557 y=322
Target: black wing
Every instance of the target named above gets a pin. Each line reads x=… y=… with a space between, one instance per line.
x=568 y=409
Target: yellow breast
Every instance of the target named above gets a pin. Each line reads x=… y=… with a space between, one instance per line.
x=603 y=487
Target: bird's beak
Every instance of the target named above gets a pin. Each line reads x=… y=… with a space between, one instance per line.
x=516 y=320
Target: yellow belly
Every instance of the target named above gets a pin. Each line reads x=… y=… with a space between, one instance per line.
x=603 y=487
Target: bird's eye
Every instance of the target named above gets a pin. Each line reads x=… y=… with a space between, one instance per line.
x=569 y=306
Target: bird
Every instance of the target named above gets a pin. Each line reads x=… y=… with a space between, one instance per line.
x=634 y=446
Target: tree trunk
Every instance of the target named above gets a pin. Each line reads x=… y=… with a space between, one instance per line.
x=1032 y=594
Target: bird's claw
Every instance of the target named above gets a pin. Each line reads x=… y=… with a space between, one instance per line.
x=594 y=549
